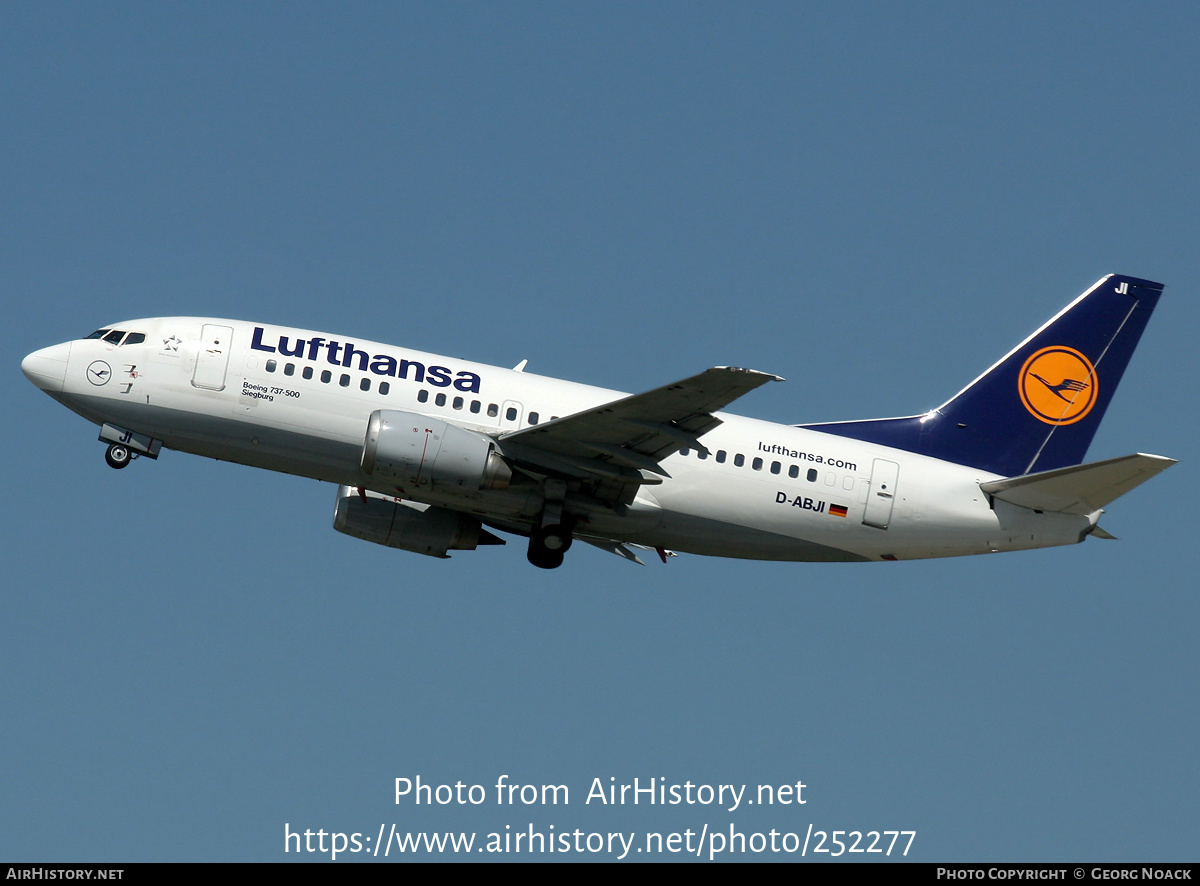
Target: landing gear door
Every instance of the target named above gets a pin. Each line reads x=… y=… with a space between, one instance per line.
x=881 y=496
x=213 y=358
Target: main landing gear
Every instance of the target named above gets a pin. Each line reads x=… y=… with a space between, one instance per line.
x=551 y=538
x=118 y=455
x=548 y=545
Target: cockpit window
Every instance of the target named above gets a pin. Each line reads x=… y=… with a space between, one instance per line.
x=114 y=336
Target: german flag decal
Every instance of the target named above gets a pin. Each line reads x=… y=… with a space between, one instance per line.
x=837 y=510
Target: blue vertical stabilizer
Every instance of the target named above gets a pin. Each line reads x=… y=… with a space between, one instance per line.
x=1038 y=408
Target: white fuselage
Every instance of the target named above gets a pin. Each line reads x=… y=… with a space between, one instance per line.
x=764 y=491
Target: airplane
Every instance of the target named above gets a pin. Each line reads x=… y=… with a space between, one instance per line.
x=431 y=453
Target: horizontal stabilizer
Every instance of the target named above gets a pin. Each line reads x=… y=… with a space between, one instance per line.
x=1081 y=489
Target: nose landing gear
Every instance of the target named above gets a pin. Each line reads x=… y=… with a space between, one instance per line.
x=124 y=446
x=118 y=455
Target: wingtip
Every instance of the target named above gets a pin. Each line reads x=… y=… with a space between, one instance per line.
x=766 y=376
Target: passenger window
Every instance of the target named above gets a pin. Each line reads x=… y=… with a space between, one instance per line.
x=721 y=456
x=289 y=368
x=776 y=467
x=364 y=384
x=307 y=373
x=326 y=376
x=684 y=451
x=830 y=478
x=811 y=475
x=384 y=387
x=423 y=395
x=739 y=460
x=271 y=364
x=757 y=464
x=135 y=338
x=533 y=418
x=440 y=400
x=794 y=471
x=475 y=406
x=458 y=403
x=701 y=454
x=511 y=414
x=344 y=381
x=493 y=410
x=848 y=482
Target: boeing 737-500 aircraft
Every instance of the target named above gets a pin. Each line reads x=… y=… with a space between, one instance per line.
x=431 y=452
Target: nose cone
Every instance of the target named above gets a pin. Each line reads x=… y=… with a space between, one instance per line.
x=47 y=368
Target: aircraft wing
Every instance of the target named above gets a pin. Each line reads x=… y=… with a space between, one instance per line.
x=625 y=440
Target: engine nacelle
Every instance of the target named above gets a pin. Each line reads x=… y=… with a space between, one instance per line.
x=407 y=525
x=414 y=452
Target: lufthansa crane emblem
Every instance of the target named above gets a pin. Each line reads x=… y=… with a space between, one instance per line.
x=1058 y=385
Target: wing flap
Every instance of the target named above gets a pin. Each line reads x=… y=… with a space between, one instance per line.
x=613 y=547
x=1081 y=489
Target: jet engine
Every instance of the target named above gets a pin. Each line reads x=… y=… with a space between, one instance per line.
x=413 y=452
x=407 y=525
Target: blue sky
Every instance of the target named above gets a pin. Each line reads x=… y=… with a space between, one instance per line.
x=872 y=200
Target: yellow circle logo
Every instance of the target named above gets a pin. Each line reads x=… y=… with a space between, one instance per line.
x=1058 y=385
